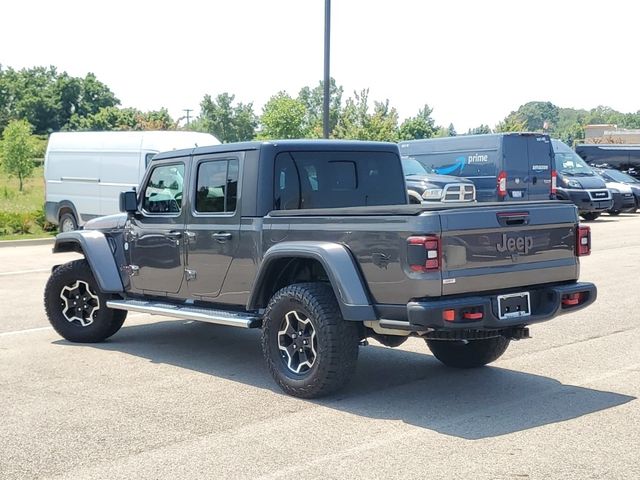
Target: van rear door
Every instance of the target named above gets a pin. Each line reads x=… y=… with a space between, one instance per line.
x=527 y=161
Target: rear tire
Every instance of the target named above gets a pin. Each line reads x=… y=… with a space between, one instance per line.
x=67 y=223
x=590 y=216
x=76 y=307
x=472 y=354
x=310 y=350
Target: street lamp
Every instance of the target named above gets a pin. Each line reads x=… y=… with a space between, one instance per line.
x=327 y=36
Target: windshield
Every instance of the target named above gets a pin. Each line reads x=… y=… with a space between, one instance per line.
x=413 y=167
x=569 y=163
x=618 y=176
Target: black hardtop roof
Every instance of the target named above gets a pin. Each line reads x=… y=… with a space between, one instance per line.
x=285 y=145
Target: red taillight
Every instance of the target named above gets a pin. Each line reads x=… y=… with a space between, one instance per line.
x=583 y=241
x=502 y=184
x=554 y=182
x=572 y=299
x=423 y=253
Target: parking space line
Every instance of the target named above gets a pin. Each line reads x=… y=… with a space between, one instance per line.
x=38 y=329
x=29 y=330
x=22 y=272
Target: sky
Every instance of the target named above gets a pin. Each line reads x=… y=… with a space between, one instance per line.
x=473 y=62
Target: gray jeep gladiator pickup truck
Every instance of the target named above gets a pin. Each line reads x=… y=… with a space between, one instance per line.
x=315 y=243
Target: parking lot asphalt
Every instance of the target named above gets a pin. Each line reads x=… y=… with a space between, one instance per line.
x=175 y=399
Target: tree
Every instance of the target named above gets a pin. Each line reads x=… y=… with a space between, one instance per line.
x=17 y=150
x=114 y=118
x=48 y=99
x=226 y=121
x=283 y=117
x=418 y=127
x=356 y=123
x=313 y=100
x=482 y=129
x=451 y=131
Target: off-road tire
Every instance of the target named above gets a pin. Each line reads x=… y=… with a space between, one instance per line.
x=67 y=219
x=336 y=352
x=105 y=321
x=473 y=354
x=590 y=216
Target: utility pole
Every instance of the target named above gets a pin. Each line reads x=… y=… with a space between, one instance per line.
x=188 y=110
x=327 y=76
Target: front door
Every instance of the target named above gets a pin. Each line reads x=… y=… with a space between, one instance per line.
x=156 y=246
x=213 y=225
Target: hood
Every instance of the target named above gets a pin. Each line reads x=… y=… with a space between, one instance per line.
x=434 y=179
x=107 y=223
x=592 y=182
x=621 y=187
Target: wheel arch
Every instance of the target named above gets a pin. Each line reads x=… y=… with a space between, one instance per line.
x=294 y=262
x=96 y=250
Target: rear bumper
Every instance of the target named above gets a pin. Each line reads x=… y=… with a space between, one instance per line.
x=585 y=201
x=546 y=303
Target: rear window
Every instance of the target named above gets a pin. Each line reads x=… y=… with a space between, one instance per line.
x=460 y=164
x=337 y=179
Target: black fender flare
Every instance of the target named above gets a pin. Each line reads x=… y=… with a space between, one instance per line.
x=344 y=275
x=95 y=248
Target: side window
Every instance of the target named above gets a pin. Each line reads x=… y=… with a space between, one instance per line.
x=217 y=186
x=286 y=186
x=163 y=192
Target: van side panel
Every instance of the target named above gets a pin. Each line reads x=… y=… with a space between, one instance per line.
x=74 y=177
x=119 y=171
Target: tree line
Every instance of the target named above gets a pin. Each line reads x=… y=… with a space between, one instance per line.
x=49 y=100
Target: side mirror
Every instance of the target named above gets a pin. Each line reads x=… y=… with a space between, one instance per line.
x=128 y=201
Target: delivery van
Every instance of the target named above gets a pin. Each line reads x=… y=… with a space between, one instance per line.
x=503 y=166
x=86 y=171
x=579 y=183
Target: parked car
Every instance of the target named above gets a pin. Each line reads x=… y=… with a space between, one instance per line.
x=623 y=157
x=86 y=171
x=314 y=243
x=624 y=197
x=621 y=177
x=424 y=186
x=503 y=166
x=578 y=182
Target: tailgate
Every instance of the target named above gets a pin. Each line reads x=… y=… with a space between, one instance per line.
x=505 y=247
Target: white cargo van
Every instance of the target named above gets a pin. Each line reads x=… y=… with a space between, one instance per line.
x=86 y=171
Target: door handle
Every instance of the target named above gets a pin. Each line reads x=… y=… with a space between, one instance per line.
x=174 y=235
x=222 y=236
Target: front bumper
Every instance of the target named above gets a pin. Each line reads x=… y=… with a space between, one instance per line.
x=622 y=202
x=587 y=201
x=546 y=303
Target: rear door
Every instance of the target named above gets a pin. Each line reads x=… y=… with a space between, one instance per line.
x=527 y=160
x=213 y=225
x=541 y=163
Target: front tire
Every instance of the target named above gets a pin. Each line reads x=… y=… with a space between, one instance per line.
x=76 y=307
x=310 y=350
x=67 y=223
x=470 y=353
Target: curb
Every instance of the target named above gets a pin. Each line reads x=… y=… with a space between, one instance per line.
x=32 y=242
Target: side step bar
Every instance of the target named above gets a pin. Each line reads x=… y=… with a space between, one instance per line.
x=188 y=312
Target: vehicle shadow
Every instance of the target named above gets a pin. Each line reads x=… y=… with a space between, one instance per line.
x=392 y=385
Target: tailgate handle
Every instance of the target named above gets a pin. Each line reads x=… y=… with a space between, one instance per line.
x=507 y=219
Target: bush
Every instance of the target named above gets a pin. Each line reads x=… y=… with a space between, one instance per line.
x=23 y=222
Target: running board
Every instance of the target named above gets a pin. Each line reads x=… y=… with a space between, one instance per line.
x=188 y=312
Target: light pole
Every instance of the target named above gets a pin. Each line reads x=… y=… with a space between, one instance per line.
x=327 y=43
